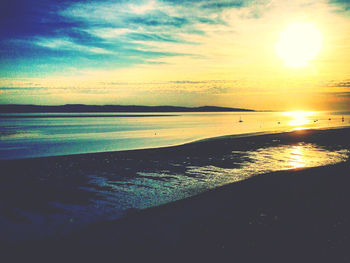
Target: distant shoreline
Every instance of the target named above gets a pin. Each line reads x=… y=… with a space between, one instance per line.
x=83 y=116
x=81 y=108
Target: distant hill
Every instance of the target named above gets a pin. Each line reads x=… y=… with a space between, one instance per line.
x=19 y=108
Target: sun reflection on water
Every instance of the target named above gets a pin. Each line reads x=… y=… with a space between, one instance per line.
x=286 y=157
x=270 y=159
x=296 y=157
x=299 y=118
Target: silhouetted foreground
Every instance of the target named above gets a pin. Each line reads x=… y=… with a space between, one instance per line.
x=291 y=216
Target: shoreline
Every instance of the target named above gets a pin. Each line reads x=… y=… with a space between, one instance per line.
x=221 y=223
x=254 y=135
x=285 y=216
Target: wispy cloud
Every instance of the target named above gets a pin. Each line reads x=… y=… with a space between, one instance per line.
x=115 y=28
x=338 y=84
x=66 y=44
x=343 y=94
x=164 y=87
x=342 y=5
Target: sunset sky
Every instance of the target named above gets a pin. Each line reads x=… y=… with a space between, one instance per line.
x=257 y=54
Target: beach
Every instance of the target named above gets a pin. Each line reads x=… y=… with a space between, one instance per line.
x=175 y=131
x=296 y=215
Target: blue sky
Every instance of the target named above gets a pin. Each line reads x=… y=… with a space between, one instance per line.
x=42 y=34
x=211 y=48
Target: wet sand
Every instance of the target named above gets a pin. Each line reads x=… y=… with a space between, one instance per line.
x=299 y=215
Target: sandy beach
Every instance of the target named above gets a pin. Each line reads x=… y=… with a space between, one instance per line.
x=298 y=215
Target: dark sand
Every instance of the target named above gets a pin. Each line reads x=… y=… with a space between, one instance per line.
x=291 y=216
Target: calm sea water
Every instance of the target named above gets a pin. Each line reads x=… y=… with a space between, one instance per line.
x=36 y=135
x=62 y=196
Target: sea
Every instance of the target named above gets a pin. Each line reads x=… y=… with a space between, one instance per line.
x=29 y=135
x=57 y=197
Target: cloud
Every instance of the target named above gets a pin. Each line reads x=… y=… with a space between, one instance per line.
x=223 y=4
x=165 y=87
x=143 y=8
x=94 y=33
x=158 y=20
x=343 y=84
x=342 y=5
x=338 y=84
x=66 y=44
x=162 y=37
x=343 y=94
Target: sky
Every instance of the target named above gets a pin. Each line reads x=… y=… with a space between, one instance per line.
x=176 y=52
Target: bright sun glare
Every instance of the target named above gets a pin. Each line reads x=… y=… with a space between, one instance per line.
x=299 y=118
x=298 y=44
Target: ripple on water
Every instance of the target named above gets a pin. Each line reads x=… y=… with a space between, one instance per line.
x=116 y=191
x=154 y=187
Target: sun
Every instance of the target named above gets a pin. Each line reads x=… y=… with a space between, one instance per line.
x=299 y=43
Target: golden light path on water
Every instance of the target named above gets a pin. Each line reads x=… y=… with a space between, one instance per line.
x=299 y=118
x=296 y=156
x=152 y=187
x=270 y=159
